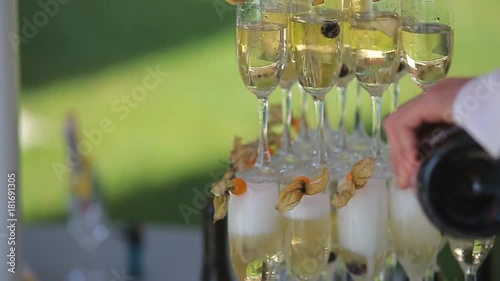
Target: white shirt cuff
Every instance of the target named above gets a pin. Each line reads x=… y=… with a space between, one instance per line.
x=476 y=109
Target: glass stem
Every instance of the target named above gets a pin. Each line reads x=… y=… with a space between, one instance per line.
x=263 y=155
x=470 y=274
x=326 y=123
x=304 y=127
x=359 y=126
x=429 y=274
x=389 y=267
x=376 y=122
x=395 y=97
x=342 y=98
x=286 y=141
x=321 y=154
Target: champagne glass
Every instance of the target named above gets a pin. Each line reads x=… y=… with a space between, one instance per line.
x=360 y=140
x=303 y=144
x=254 y=226
x=415 y=240
x=316 y=47
x=335 y=267
x=346 y=74
x=470 y=254
x=307 y=232
x=374 y=34
x=87 y=216
x=285 y=157
x=261 y=54
x=395 y=100
x=427 y=40
x=255 y=232
x=362 y=230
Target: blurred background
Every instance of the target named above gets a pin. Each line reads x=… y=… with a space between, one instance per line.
x=160 y=146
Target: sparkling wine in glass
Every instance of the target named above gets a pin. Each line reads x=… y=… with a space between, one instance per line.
x=363 y=232
x=254 y=226
x=255 y=232
x=427 y=40
x=261 y=54
x=308 y=236
x=416 y=241
x=316 y=46
x=470 y=254
x=373 y=39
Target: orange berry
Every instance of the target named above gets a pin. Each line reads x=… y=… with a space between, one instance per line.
x=240 y=186
x=296 y=124
x=348 y=177
x=305 y=179
x=251 y=164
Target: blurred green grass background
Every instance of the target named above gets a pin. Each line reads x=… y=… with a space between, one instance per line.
x=164 y=152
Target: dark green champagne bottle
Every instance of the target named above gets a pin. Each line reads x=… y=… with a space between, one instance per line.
x=215 y=262
x=458 y=182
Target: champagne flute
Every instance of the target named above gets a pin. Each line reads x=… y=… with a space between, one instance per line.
x=362 y=230
x=303 y=144
x=316 y=47
x=415 y=240
x=87 y=221
x=373 y=41
x=470 y=254
x=307 y=232
x=360 y=140
x=395 y=100
x=346 y=74
x=285 y=157
x=254 y=226
x=374 y=34
x=261 y=54
x=427 y=40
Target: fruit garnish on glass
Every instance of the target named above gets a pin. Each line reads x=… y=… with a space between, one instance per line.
x=362 y=217
x=357 y=178
x=302 y=185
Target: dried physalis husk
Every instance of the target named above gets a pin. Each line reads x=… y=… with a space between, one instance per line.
x=243 y=156
x=235 y=2
x=290 y=196
x=344 y=193
x=317 y=2
x=318 y=183
x=220 y=206
x=362 y=171
x=274 y=138
x=225 y=184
